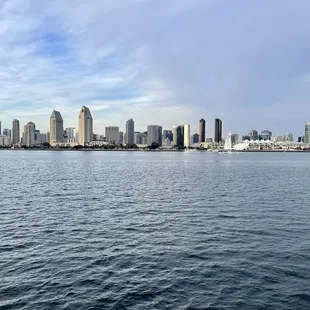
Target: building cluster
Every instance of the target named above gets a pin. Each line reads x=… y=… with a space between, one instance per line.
x=179 y=137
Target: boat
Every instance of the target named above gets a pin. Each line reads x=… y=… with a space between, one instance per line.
x=227 y=146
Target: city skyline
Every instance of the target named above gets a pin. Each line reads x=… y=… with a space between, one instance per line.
x=86 y=123
x=54 y=61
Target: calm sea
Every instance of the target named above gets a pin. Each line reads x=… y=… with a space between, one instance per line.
x=138 y=230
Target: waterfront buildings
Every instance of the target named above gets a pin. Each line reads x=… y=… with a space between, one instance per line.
x=253 y=135
x=300 y=139
x=175 y=135
x=56 y=128
x=144 y=141
x=85 y=126
x=218 y=131
x=234 y=138
x=70 y=134
x=112 y=134
x=16 y=131
x=5 y=141
x=7 y=132
x=121 y=137
x=196 y=138
x=265 y=135
x=178 y=136
x=167 y=134
x=154 y=135
x=202 y=131
x=130 y=132
x=288 y=137
x=187 y=135
x=138 y=139
x=276 y=139
x=307 y=133
x=28 y=135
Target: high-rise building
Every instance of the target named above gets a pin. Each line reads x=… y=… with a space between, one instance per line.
x=138 y=138
x=234 y=138
x=85 y=126
x=56 y=127
x=288 y=137
x=112 y=134
x=130 y=132
x=16 y=131
x=181 y=135
x=175 y=135
x=202 y=130
x=178 y=136
x=187 y=135
x=167 y=134
x=5 y=141
x=28 y=136
x=253 y=135
x=0 y=127
x=42 y=138
x=307 y=133
x=265 y=135
x=70 y=134
x=7 y=132
x=196 y=137
x=154 y=135
x=144 y=141
x=300 y=139
x=218 y=131
x=121 y=137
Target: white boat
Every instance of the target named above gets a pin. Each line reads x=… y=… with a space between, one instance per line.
x=227 y=146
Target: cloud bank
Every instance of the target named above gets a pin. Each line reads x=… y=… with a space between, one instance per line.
x=159 y=62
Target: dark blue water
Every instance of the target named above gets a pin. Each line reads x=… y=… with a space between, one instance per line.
x=134 y=230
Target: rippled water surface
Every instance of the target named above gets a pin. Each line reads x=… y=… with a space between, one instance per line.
x=136 y=230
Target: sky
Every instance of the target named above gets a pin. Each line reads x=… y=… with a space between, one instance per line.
x=163 y=62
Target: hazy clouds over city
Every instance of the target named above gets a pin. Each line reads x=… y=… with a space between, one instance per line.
x=164 y=62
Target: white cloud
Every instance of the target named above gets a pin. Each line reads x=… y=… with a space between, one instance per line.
x=164 y=62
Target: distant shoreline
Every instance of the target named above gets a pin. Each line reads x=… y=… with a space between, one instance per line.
x=153 y=151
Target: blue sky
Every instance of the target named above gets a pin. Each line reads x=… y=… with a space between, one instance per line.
x=160 y=62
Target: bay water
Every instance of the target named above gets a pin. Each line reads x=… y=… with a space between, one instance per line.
x=154 y=230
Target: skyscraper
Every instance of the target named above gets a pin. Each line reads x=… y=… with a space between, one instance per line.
x=139 y=137
x=121 y=137
x=70 y=134
x=7 y=132
x=202 y=130
x=112 y=134
x=253 y=135
x=175 y=135
x=266 y=135
x=28 y=136
x=307 y=133
x=218 y=131
x=181 y=135
x=56 y=127
x=130 y=132
x=167 y=134
x=187 y=135
x=16 y=131
x=85 y=126
x=178 y=136
x=154 y=135
x=195 y=137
